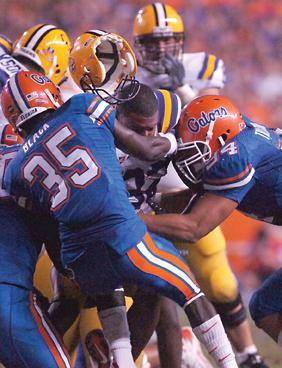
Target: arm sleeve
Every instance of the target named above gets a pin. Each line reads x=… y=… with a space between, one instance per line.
x=231 y=176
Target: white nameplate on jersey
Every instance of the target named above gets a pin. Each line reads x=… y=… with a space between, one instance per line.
x=9 y=65
x=30 y=142
x=194 y=125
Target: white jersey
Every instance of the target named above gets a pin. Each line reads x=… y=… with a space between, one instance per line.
x=142 y=177
x=202 y=71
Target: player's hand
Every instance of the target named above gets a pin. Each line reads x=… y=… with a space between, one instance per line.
x=175 y=70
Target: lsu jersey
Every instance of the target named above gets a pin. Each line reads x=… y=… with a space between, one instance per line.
x=142 y=177
x=69 y=167
x=202 y=70
x=248 y=170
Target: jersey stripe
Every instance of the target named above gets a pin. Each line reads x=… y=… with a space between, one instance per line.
x=147 y=262
x=169 y=110
x=91 y=106
x=245 y=181
x=233 y=178
x=209 y=66
x=48 y=335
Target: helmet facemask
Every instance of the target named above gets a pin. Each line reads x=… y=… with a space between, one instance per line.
x=152 y=49
x=191 y=158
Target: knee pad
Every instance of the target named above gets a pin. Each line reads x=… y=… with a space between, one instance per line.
x=233 y=313
x=222 y=285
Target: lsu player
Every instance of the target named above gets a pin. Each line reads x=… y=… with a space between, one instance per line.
x=158 y=33
x=104 y=243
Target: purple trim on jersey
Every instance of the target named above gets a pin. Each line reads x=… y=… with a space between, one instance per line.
x=215 y=67
x=204 y=67
x=174 y=112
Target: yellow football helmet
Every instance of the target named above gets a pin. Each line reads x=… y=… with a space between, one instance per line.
x=103 y=63
x=158 y=31
x=47 y=47
x=6 y=44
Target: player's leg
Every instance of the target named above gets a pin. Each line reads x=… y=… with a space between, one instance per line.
x=169 y=335
x=157 y=264
x=27 y=338
x=266 y=306
x=207 y=259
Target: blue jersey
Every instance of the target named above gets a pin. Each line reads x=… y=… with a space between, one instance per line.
x=248 y=170
x=68 y=166
x=19 y=242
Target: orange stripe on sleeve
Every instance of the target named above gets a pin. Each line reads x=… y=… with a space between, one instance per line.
x=145 y=266
x=228 y=180
x=92 y=104
x=50 y=343
x=104 y=117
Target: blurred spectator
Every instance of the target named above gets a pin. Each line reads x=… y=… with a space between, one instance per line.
x=247 y=35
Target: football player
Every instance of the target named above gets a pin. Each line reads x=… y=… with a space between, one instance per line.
x=68 y=166
x=27 y=337
x=40 y=48
x=235 y=163
x=159 y=37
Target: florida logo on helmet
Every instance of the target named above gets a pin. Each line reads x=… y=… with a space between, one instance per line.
x=194 y=125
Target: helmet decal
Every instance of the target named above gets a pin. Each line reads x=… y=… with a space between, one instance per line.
x=194 y=125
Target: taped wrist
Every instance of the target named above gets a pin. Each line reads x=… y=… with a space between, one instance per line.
x=232 y=314
x=173 y=142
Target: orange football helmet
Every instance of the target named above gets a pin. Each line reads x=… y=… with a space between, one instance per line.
x=26 y=94
x=205 y=125
x=103 y=62
x=8 y=135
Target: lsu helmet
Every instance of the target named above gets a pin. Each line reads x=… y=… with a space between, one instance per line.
x=205 y=125
x=47 y=47
x=6 y=44
x=26 y=94
x=158 y=31
x=103 y=63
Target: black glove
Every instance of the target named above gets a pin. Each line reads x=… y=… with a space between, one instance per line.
x=175 y=70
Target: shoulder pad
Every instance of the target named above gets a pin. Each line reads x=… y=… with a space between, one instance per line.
x=229 y=168
x=169 y=110
x=206 y=70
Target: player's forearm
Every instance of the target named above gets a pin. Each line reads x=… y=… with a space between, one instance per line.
x=150 y=148
x=173 y=226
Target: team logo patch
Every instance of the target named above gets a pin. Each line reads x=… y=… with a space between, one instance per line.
x=194 y=125
x=39 y=79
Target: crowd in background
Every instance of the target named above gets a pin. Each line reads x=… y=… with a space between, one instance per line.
x=246 y=34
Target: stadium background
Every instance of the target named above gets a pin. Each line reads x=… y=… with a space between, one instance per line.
x=247 y=35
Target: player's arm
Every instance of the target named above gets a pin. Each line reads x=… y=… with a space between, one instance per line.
x=145 y=148
x=207 y=213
